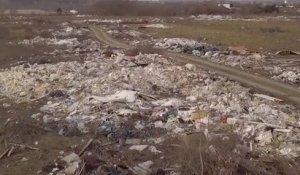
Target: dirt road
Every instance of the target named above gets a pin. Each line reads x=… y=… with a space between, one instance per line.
x=272 y=87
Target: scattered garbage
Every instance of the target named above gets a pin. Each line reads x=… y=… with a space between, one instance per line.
x=24 y=159
x=160 y=26
x=236 y=56
x=264 y=138
x=154 y=150
x=287 y=52
x=185 y=46
x=231 y=121
x=72 y=161
x=111 y=91
x=204 y=17
x=197 y=115
x=267 y=97
x=74 y=12
x=137 y=102
x=138 y=147
x=133 y=141
x=122 y=96
x=211 y=17
x=106 y=128
x=143 y=168
x=70 y=42
x=289 y=76
x=71 y=158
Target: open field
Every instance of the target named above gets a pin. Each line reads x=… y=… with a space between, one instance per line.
x=268 y=36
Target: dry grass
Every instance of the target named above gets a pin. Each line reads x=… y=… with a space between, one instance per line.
x=10 y=32
x=177 y=8
x=199 y=156
x=254 y=35
x=131 y=8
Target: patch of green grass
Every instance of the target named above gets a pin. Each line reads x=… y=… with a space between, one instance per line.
x=254 y=35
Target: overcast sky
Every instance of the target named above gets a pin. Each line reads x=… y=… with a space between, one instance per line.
x=25 y=1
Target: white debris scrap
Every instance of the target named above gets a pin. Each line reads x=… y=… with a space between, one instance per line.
x=168 y=102
x=104 y=20
x=69 y=42
x=267 y=97
x=159 y=26
x=120 y=96
x=143 y=168
x=74 y=12
x=264 y=137
x=71 y=158
x=35 y=40
x=138 y=147
x=154 y=150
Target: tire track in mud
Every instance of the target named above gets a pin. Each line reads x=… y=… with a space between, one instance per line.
x=275 y=88
x=106 y=39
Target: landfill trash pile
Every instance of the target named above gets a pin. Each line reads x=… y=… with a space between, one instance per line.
x=177 y=99
x=185 y=46
x=125 y=34
x=289 y=76
x=68 y=31
x=135 y=103
x=210 y=52
x=211 y=17
x=234 y=18
x=254 y=61
x=66 y=35
x=101 y=21
x=245 y=61
x=240 y=61
x=103 y=88
x=70 y=42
